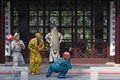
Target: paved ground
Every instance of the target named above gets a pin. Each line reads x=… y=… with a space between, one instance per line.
x=78 y=72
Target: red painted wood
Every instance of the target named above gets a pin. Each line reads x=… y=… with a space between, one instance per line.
x=117 y=34
x=83 y=60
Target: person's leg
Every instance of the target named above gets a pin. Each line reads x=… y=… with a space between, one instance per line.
x=51 y=60
x=49 y=72
x=15 y=60
x=57 y=55
x=38 y=63
x=32 y=64
x=15 y=63
x=63 y=73
x=21 y=60
x=53 y=55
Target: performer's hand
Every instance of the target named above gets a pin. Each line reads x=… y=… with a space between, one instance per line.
x=33 y=51
x=22 y=46
x=50 y=45
x=19 y=44
x=60 y=41
x=40 y=49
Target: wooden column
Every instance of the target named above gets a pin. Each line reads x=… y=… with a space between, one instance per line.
x=2 y=45
x=117 y=34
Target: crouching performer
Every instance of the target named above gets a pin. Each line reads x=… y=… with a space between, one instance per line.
x=54 y=38
x=60 y=65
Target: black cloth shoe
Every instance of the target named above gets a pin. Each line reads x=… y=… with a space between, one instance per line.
x=47 y=75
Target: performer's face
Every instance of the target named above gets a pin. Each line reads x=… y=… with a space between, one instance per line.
x=39 y=38
x=17 y=38
x=54 y=30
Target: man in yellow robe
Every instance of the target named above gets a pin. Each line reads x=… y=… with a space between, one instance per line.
x=36 y=45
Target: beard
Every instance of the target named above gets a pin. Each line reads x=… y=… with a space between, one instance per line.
x=55 y=40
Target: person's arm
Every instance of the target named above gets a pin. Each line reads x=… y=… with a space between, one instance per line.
x=30 y=46
x=68 y=64
x=47 y=37
x=61 y=37
x=22 y=44
x=42 y=46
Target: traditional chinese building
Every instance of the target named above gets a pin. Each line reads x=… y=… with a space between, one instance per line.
x=90 y=27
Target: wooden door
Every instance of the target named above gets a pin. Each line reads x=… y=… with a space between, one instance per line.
x=83 y=23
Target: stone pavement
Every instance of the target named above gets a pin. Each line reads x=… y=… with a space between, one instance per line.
x=78 y=72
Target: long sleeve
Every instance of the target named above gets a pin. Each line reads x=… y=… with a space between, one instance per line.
x=17 y=45
x=61 y=37
x=68 y=64
x=42 y=45
x=31 y=45
x=47 y=37
x=23 y=45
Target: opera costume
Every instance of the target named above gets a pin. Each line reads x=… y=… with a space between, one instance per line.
x=16 y=46
x=54 y=38
x=60 y=65
x=36 y=45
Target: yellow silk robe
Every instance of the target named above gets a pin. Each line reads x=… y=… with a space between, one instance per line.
x=35 y=57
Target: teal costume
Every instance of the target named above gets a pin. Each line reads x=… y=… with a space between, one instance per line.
x=60 y=66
